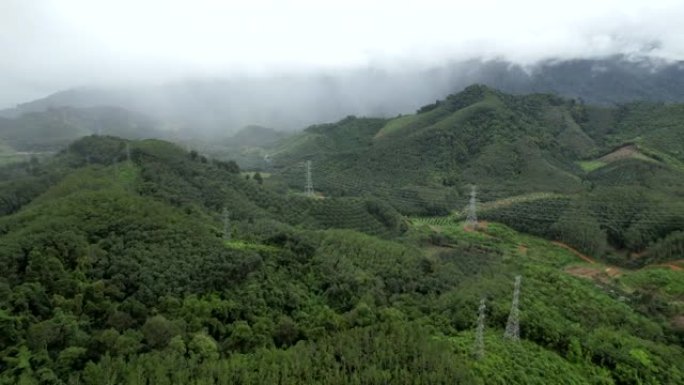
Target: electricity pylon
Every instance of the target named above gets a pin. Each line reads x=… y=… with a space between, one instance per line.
x=308 y=189
x=513 y=324
x=226 y=224
x=479 y=349
x=471 y=210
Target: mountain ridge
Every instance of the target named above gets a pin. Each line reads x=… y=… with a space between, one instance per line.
x=210 y=106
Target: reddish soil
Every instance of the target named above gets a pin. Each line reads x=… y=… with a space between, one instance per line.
x=674 y=267
x=583 y=271
x=678 y=322
x=671 y=266
x=522 y=249
x=621 y=153
x=481 y=225
x=597 y=273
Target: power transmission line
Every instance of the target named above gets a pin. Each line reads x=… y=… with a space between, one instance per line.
x=308 y=189
x=514 y=211
x=479 y=349
x=426 y=195
x=513 y=324
x=471 y=211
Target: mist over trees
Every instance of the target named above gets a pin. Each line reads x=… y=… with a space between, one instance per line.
x=288 y=102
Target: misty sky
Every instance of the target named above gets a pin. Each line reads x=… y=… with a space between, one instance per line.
x=49 y=45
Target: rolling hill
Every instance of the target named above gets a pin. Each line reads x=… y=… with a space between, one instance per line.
x=617 y=170
x=135 y=262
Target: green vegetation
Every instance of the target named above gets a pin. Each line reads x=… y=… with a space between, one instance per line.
x=118 y=266
x=608 y=181
x=395 y=125
x=55 y=128
x=664 y=280
x=591 y=165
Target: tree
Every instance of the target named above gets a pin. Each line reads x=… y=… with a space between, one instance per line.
x=258 y=178
x=158 y=331
x=203 y=347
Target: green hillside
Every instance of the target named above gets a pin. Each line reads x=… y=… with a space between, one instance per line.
x=596 y=158
x=118 y=269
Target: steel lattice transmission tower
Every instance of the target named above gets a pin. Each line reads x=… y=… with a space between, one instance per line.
x=308 y=189
x=128 y=152
x=479 y=349
x=226 y=224
x=513 y=324
x=471 y=210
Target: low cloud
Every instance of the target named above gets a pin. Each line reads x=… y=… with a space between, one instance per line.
x=49 y=45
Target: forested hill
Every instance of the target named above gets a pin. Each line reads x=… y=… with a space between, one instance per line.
x=136 y=262
x=53 y=129
x=547 y=165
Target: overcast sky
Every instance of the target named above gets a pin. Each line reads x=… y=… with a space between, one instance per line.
x=48 y=45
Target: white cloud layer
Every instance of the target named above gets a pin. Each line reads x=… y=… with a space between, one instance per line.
x=48 y=45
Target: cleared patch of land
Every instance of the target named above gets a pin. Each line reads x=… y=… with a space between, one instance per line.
x=629 y=151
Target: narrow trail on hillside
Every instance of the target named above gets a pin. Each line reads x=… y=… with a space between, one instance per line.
x=577 y=253
x=613 y=270
x=671 y=265
x=610 y=270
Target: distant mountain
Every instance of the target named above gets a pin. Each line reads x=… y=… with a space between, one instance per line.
x=55 y=127
x=290 y=102
x=255 y=136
